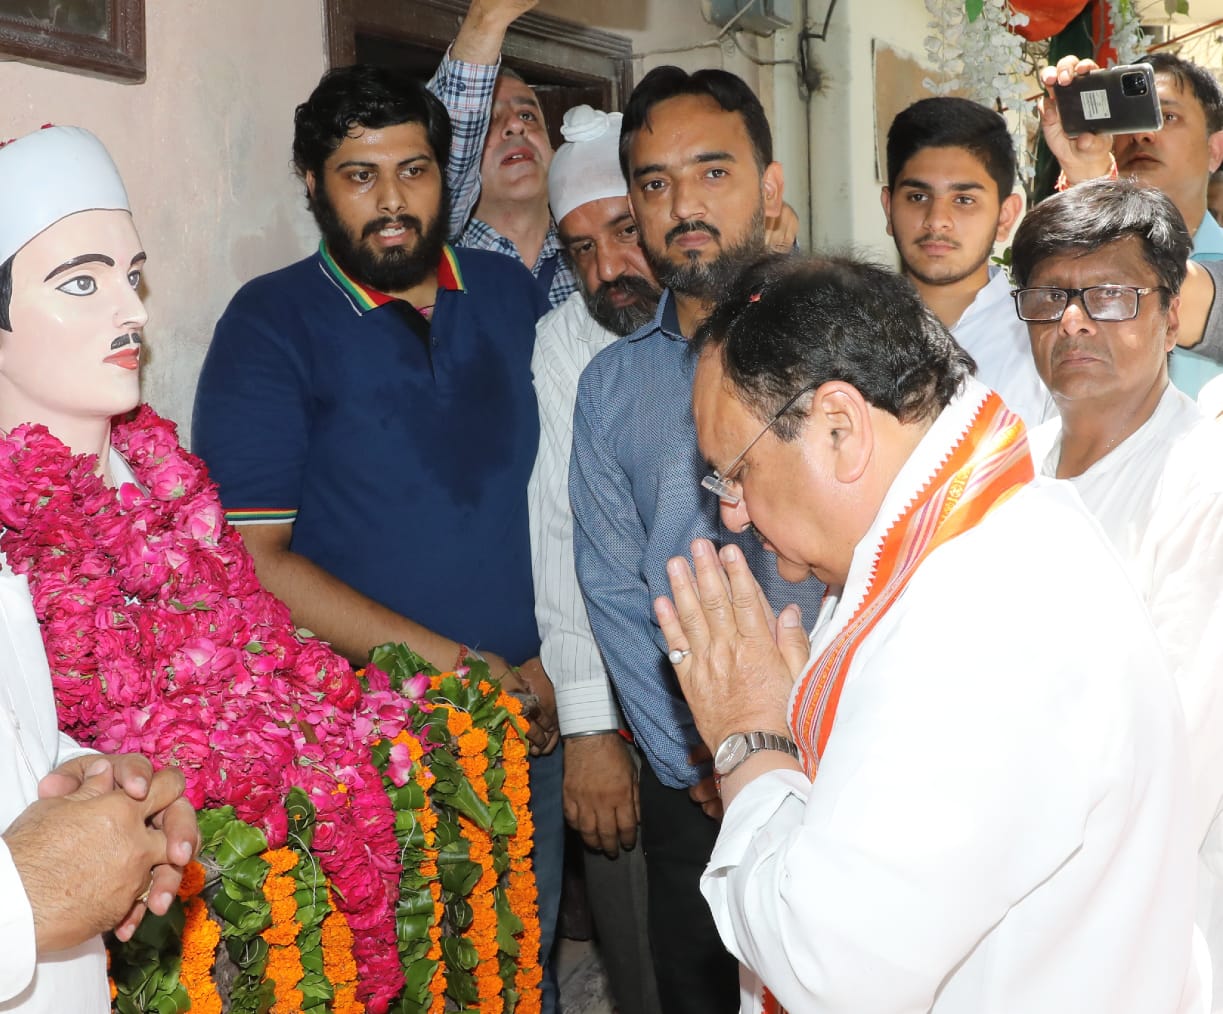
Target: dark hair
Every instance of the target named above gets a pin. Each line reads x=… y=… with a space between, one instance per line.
x=729 y=91
x=364 y=96
x=6 y=293
x=1199 y=80
x=794 y=322
x=1099 y=212
x=947 y=122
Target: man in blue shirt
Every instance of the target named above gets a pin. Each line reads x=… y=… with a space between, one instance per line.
x=369 y=415
x=697 y=155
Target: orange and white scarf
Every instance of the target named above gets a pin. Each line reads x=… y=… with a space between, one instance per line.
x=988 y=464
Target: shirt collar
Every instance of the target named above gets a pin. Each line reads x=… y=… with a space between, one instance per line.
x=665 y=322
x=482 y=236
x=1209 y=237
x=364 y=298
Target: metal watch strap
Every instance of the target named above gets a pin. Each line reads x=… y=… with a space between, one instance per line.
x=758 y=741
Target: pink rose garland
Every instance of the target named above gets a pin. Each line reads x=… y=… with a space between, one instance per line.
x=161 y=641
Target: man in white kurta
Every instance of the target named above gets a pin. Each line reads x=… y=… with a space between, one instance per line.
x=1145 y=460
x=987 y=808
x=950 y=198
x=30 y=747
x=617 y=292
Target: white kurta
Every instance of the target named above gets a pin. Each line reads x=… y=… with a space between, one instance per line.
x=30 y=746
x=992 y=333
x=565 y=341
x=1001 y=818
x=1159 y=497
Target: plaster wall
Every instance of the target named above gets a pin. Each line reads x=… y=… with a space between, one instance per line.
x=204 y=142
x=204 y=148
x=844 y=183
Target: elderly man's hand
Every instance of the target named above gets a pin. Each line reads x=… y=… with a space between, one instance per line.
x=112 y=845
x=133 y=775
x=1087 y=156
x=600 y=792
x=740 y=664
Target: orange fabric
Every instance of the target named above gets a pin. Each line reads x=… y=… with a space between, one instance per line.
x=986 y=467
x=1046 y=17
x=988 y=464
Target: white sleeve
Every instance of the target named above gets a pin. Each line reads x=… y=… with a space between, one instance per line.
x=18 y=955
x=828 y=890
x=1182 y=550
x=584 y=698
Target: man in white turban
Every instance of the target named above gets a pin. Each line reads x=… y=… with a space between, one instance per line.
x=617 y=293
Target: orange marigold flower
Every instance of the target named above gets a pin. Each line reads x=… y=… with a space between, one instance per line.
x=192 y=882
x=281 y=860
x=199 y=942
x=458 y=722
x=346 y=1001
x=282 y=934
x=473 y=742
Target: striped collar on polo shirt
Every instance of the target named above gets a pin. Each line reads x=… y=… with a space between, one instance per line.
x=363 y=298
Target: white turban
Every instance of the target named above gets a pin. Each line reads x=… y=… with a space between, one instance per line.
x=48 y=175
x=587 y=166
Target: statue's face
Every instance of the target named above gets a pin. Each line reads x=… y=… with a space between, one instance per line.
x=75 y=346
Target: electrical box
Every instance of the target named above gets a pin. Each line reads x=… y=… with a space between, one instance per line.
x=763 y=17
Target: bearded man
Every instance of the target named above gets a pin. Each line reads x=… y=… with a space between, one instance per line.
x=369 y=417
x=697 y=155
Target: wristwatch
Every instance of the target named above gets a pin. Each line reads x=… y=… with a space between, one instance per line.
x=739 y=746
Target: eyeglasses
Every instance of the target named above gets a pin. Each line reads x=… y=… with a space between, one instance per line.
x=720 y=485
x=1044 y=304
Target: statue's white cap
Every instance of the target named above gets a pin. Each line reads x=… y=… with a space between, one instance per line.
x=48 y=175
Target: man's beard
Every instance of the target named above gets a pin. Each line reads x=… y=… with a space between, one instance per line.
x=395 y=269
x=950 y=277
x=707 y=280
x=628 y=318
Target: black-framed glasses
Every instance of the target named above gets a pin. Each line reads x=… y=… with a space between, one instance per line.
x=721 y=485
x=1044 y=304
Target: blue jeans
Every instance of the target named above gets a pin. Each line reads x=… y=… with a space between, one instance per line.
x=548 y=857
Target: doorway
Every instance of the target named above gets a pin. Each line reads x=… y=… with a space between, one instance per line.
x=567 y=64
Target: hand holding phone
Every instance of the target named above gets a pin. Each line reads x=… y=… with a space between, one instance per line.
x=1118 y=100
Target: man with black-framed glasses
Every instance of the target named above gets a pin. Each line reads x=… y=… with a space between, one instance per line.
x=1099 y=270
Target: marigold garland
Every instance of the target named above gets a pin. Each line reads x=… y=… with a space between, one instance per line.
x=284 y=965
x=200 y=938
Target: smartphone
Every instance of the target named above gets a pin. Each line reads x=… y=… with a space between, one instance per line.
x=1118 y=100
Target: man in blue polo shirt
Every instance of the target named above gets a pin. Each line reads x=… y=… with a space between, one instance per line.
x=369 y=415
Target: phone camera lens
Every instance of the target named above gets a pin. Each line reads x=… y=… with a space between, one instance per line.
x=1133 y=84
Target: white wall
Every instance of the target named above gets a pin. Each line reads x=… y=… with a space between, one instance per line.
x=204 y=148
x=844 y=185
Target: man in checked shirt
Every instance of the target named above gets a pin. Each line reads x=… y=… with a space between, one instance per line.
x=500 y=153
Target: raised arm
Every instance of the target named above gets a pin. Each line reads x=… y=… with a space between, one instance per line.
x=464 y=81
x=1087 y=156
